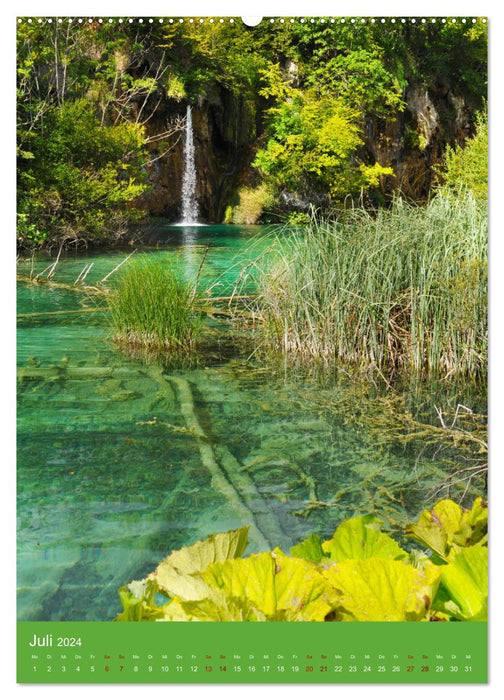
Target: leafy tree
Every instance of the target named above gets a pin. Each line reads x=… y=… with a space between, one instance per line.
x=81 y=152
x=347 y=61
x=81 y=181
x=467 y=165
x=311 y=145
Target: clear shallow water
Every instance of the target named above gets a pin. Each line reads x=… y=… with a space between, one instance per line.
x=110 y=479
x=231 y=248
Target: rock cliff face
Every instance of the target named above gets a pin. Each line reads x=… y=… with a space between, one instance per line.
x=417 y=139
x=226 y=129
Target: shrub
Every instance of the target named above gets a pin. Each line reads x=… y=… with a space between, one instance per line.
x=252 y=203
x=82 y=181
x=467 y=165
x=153 y=307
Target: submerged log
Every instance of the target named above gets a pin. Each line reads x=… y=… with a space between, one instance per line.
x=43 y=282
x=266 y=519
x=37 y=314
x=220 y=481
x=63 y=372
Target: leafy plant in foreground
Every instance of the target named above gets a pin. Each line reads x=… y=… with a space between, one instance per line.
x=360 y=574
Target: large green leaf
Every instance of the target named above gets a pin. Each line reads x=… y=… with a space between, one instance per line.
x=218 y=547
x=223 y=608
x=174 y=574
x=447 y=528
x=219 y=607
x=273 y=582
x=309 y=549
x=474 y=525
x=174 y=584
x=360 y=538
x=374 y=590
x=464 y=585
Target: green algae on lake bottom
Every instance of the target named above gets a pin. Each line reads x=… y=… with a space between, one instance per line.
x=114 y=454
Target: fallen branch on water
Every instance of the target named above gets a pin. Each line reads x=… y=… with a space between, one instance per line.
x=118 y=266
x=61 y=285
x=37 y=314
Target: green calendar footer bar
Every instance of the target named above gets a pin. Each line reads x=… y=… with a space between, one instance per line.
x=252 y=652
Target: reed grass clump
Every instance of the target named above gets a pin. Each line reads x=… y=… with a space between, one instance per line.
x=400 y=289
x=152 y=307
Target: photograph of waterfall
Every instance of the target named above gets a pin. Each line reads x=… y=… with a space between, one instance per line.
x=252 y=341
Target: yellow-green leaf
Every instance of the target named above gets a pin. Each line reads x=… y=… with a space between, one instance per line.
x=374 y=590
x=218 y=547
x=360 y=538
x=185 y=586
x=309 y=549
x=273 y=582
x=447 y=528
x=174 y=575
x=464 y=584
x=138 y=601
x=217 y=608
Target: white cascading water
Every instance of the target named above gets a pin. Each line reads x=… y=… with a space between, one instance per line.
x=189 y=202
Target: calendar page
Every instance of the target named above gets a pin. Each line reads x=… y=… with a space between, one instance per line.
x=252 y=349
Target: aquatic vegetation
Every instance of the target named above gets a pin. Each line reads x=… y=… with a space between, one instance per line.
x=457 y=435
x=360 y=574
x=152 y=306
x=403 y=290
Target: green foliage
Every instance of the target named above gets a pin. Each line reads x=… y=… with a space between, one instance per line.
x=464 y=585
x=209 y=54
x=28 y=232
x=447 y=54
x=340 y=76
x=81 y=152
x=153 y=307
x=82 y=180
x=217 y=548
x=360 y=79
x=360 y=538
x=312 y=141
x=467 y=165
x=228 y=215
x=298 y=218
x=276 y=585
x=138 y=601
x=175 y=87
x=383 y=590
x=252 y=203
x=361 y=574
x=447 y=528
x=404 y=289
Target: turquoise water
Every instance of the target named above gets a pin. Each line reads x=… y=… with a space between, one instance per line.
x=111 y=478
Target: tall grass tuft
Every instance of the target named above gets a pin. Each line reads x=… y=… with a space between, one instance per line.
x=153 y=307
x=402 y=289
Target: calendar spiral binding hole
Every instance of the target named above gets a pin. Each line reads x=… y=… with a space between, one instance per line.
x=270 y=20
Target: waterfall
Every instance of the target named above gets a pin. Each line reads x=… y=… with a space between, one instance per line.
x=189 y=202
